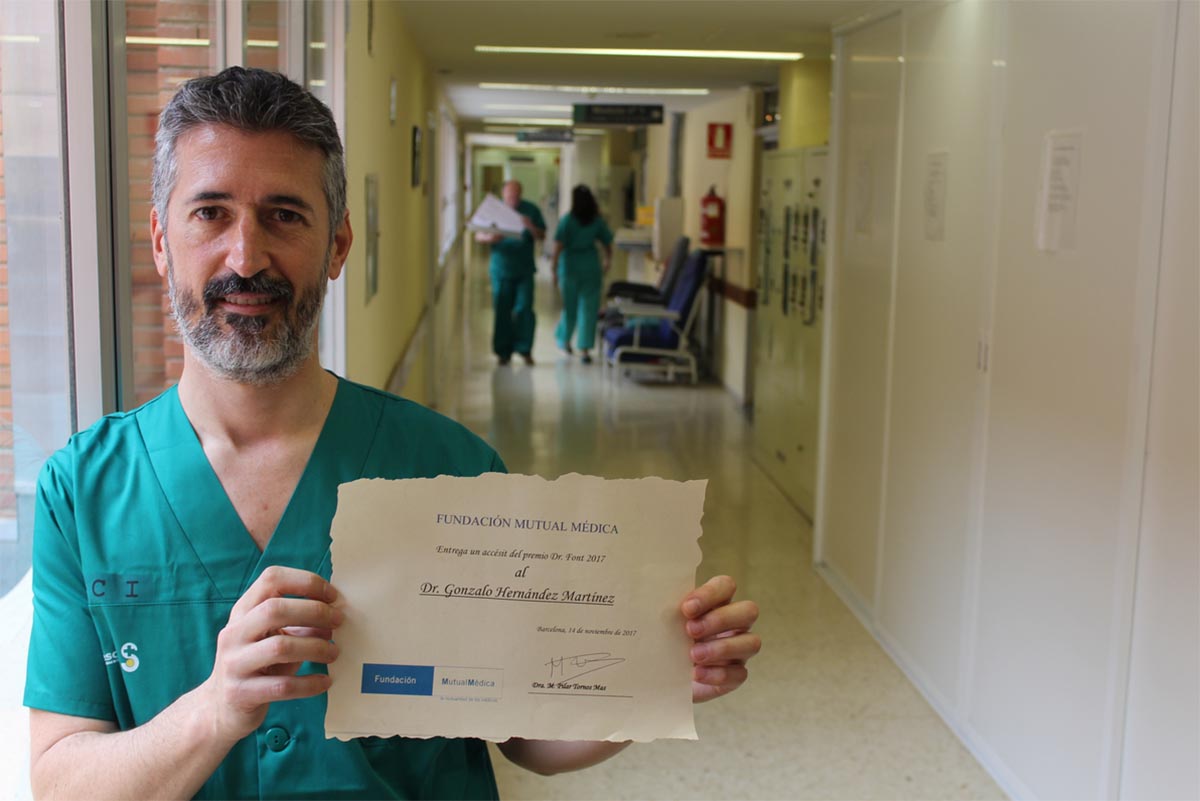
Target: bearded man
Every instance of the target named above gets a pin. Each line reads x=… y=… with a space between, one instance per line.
x=183 y=617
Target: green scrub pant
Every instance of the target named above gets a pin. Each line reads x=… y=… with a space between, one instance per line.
x=580 y=285
x=512 y=301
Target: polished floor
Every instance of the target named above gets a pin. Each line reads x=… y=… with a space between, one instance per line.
x=826 y=714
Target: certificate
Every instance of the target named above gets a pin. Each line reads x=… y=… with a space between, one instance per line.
x=512 y=606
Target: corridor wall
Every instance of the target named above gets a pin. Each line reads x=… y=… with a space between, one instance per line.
x=735 y=180
x=380 y=329
x=1004 y=229
x=804 y=88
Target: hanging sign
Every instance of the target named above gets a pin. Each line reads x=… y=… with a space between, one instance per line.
x=720 y=140
x=617 y=114
x=547 y=135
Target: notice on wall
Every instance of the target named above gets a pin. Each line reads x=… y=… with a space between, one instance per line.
x=1059 y=192
x=937 y=166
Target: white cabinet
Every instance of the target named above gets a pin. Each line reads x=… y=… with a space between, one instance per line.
x=986 y=478
x=788 y=318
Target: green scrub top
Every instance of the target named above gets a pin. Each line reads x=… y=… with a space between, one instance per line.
x=139 y=557
x=512 y=257
x=579 y=244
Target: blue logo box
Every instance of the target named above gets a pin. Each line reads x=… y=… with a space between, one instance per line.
x=397 y=679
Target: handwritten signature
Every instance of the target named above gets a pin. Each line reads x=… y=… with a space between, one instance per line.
x=600 y=660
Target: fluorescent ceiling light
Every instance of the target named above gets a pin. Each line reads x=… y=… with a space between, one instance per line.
x=525 y=121
x=526 y=107
x=592 y=90
x=742 y=55
x=262 y=43
x=165 y=41
x=20 y=38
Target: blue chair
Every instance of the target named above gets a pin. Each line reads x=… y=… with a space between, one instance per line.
x=648 y=293
x=659 y=340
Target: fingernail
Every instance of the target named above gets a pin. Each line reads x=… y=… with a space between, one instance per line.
x=695 y=628
x=699 y=653
x=337 y=617
x=331 y=594
x=691 y=607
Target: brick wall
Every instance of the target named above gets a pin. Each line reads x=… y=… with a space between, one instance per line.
x=153 y=75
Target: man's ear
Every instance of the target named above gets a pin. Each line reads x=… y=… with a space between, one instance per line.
x=342 y=239
x=158 y=243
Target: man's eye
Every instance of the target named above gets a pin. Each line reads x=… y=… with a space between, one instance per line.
x=288 y=216
x=207 y=212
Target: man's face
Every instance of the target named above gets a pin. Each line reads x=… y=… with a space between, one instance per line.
x=512 y=193
x=246 y=250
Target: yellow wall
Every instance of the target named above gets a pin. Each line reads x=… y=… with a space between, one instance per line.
x=617 y=148
x=658 y=144
x=804 y=103
x=378 y=331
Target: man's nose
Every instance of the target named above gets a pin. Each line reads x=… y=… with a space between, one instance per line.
x=247 y=253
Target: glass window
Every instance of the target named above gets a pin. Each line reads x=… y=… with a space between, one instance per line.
x=264 y=39
x=167 y=42
x=35 y=376
x=449 y=180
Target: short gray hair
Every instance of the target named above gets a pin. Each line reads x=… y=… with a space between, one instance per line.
x=256 y=101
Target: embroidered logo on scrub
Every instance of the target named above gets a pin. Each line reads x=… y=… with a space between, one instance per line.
x=126 y=656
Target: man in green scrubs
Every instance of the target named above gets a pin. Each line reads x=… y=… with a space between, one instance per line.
x=183 y=618
x=511 y=269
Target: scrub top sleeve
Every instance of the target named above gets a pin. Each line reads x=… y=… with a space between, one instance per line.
x=538 y=219
x=605 y=234
x=560 y=233
x=497 y=465
x=66 y=672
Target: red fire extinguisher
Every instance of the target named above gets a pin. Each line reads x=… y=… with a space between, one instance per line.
x=712 y=220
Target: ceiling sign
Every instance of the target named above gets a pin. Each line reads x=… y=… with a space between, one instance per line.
x=720 y=140
x=547 y=135
x=617 y=114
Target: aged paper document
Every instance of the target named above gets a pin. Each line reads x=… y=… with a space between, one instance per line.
x=512 y=606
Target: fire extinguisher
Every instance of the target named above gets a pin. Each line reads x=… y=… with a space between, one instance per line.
x=712 y=220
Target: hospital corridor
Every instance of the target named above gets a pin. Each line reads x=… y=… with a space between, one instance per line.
x=912 y=285
x=826 y=713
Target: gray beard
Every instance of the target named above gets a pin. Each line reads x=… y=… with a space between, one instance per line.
x=242 y=350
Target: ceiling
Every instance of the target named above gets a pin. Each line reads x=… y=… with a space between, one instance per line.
x=448 y=30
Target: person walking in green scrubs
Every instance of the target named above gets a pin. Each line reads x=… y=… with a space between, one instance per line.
x=511 y=270
x=579 y=272
x=183 y=615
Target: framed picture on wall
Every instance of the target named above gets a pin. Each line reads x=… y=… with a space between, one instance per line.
x=416 y=155
x=372 y=203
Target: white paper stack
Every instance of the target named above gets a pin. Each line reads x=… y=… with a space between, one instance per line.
x=496 y=216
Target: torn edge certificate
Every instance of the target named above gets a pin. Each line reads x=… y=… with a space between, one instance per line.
x=512 y=606
x=496 y=216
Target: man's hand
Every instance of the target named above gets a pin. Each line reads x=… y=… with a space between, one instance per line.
x=537 y=233
x=720 y=629
x=262 y=646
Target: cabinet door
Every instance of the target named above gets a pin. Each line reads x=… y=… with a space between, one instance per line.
x=1067 y=378
x=869 y=101
x=945 y=249
x=773 y=350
